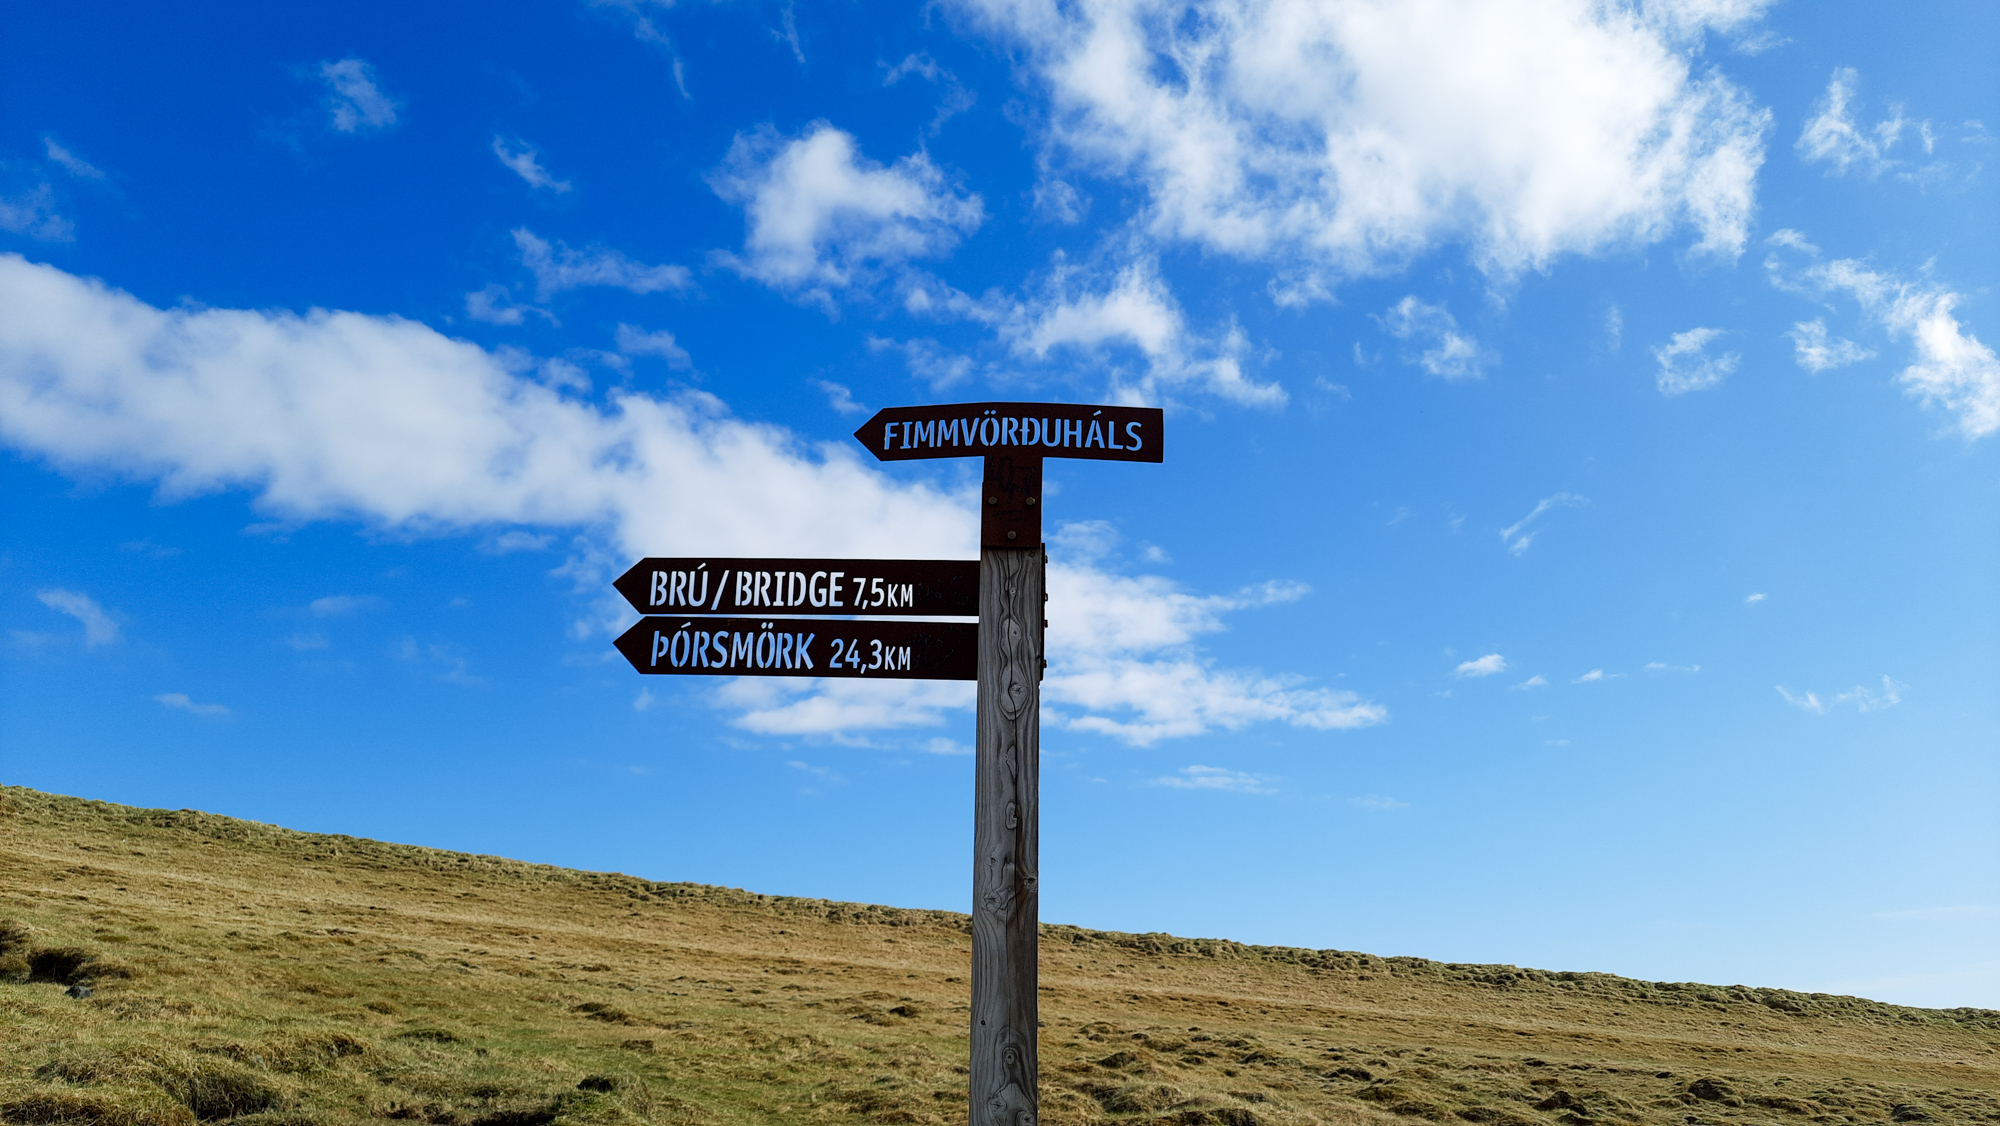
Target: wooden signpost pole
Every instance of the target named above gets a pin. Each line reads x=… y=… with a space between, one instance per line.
x=707 y=617
x=1004 y=1086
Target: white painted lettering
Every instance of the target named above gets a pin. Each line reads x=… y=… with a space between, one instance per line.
x=743 y=650
x=746 y=588
x=833 y=590
x=700 y=656
x=659 y=589
x=677 y=589
x=888 y=434
x=804 y=651
x=816 y=588
x=763 y=588
x=783 y=655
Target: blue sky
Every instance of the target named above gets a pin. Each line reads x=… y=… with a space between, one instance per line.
x=1575 y=546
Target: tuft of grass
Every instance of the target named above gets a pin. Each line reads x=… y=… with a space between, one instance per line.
x=275 y=978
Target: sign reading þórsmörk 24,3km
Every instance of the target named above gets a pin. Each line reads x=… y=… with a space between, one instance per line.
x=684 y=634
x=802 y=647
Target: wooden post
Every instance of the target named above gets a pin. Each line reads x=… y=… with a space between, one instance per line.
x=1006 y=807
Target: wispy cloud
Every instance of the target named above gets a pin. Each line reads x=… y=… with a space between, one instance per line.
x=944 y=746
x=1591 y=677
x=32 y=212
x=179 y=701
x=525 y=160
x=1535 y=681
x=1685 y=364
x=355 y=100
x=1481 y=666
x=98 y=628
x=70 y=162
x=1864 y=698
x=1817 y=351
x=1217 y=778
x=839 y=397
x=635 y=341
x=1378 y=802
x=1753 y=599
x=334 y=605
x=557 y=268
x=1834 y=137
x=1516 y=540
x=1444 y=351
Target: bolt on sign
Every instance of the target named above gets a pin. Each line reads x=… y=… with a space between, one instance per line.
x=712 y=616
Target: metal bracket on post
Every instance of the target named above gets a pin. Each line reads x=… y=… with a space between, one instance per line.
x=1010 y=513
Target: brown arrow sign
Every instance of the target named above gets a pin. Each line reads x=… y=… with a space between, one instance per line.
x=1040 y=429
x=691 y=646
x=715 y=585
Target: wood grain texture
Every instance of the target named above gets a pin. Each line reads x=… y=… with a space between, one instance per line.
x=1006 y=818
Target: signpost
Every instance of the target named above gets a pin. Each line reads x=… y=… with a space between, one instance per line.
x=1006 y=588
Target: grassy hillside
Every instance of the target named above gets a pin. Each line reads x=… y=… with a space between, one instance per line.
x=247 y=973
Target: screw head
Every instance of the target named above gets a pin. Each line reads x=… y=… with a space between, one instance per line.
x=1010 y=535
x=1031 y=500
x=992 y=500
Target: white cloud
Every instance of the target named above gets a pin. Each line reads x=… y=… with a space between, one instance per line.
x=1516 y=540
x=1953 y=369
x=1752 y=599
x=304 y=642
x=1136 y=310
x=1484 y=666
x=1589 y=677
x=1833 y=136
x=1809 y=702
x=821 y=216
x=558 y=268
x=181 y=702
x=334 y=605
x=1817 y=352
x=1378 y=802
x=1344 y=138
x=526 y=162
x=70 y=162
x=1685 y=364
x=1863 y=698
x=495 y=306
x=1535 y=681
x=355 y=98
x=944 y=746
x=1217 y=778
x=1120 y=648
x=98 y=628
x=32 y=212
x=635 y=341
x=781 y=706
x=335 y=415
x=644 y=701
x=1662 y=666
x=1446 y=351
x=839 y=397
x=518 y=540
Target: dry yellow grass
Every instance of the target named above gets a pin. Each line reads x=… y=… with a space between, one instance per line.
x=252 y=974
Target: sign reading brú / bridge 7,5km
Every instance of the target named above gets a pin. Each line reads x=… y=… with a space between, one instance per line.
x=713 y=616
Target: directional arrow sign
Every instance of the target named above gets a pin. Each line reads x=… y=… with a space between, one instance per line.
x=695 y=646
x=1039 y=429
x=713 y=585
